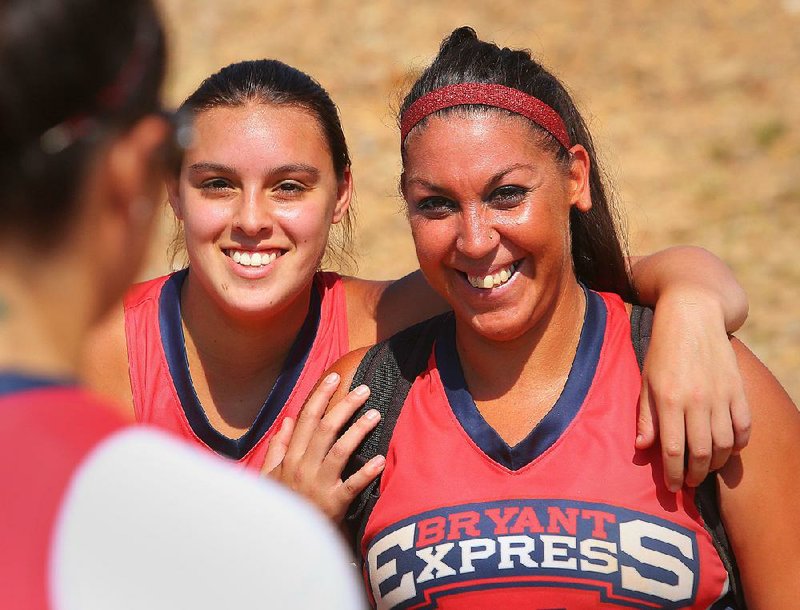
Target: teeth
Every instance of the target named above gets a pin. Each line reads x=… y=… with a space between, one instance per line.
x=490 y=281
x=252 y=259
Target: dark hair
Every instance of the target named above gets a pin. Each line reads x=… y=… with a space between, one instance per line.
x=71 y=72
x=269 y=81
x=598 y=247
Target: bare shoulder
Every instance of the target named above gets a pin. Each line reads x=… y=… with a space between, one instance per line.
x=104 y=364
x=760 y=491
x=378 y=309
x=363 y=297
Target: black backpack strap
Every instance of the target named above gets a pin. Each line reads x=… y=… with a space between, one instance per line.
x=641 y=329
x=705 y=495
x=705 y=498
x=388 y=368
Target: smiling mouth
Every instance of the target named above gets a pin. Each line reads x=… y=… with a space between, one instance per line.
x=494 y=280
x=248 y=258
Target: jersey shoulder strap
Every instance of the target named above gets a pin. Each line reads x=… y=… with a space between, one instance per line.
x=705 y=495
x=389 y=369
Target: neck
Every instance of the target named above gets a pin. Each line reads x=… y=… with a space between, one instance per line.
x=46 y=309
x=537 y=360
x=234 y=346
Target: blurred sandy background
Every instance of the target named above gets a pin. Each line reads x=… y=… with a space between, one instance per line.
x=694 y=106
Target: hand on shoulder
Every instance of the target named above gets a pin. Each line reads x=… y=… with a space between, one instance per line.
x=310 y=456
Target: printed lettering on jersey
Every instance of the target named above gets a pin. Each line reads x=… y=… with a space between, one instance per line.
x=623 y=557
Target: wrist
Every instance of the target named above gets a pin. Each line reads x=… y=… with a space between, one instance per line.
x=695 y=302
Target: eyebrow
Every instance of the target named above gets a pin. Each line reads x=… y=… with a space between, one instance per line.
x=288 y=168
x=494 y=179
x=504 y=172
x=211 y=167
x=291 y=168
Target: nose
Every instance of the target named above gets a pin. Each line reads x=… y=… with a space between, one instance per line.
x=253 y=214
x=476 y=234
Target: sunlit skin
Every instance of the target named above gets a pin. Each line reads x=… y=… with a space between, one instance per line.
x=257 y=179
x=483 y=195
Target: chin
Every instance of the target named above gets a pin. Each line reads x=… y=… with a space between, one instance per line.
x=495 y=326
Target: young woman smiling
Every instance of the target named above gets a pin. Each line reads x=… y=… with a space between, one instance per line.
x=223 y=352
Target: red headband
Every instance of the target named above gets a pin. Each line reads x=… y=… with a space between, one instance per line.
x=483 y=94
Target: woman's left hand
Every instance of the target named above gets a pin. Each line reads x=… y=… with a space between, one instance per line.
x=692 y=395
x=310 y=455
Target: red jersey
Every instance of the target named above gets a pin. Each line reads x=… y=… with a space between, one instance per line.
x=163 y=394
x=98 y=515
x=46 y=432
x=570 y=517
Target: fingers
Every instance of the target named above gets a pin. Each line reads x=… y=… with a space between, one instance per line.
x=645 y=425
x=329 y=428
x=309 y=419
x=699 y=442
x=673 y=440
x=359 y=480
x=700 y=438
x=339 y=454
x=309 y=458
x=723 y=437
x=278 y=445
x=740 y=418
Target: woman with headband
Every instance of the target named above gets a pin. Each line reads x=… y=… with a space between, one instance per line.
x=224 y=351
x=510 y=480
x=97 y=514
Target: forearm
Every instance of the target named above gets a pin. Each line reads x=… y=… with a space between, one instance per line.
x=690 y=276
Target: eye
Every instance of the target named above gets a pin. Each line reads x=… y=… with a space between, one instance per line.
x=436 y=206
x=290 y=189
x=215 y=184
x=508 y=195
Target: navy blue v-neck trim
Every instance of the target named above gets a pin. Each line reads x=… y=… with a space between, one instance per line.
x=555 y=422
x=12 y=382
x=169 y=315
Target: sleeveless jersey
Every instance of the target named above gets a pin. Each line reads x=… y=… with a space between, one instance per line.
x=163 y=394
x=46 y=432
x=570 y=517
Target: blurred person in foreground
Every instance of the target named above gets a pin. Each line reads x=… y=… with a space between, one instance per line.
x=96 y=513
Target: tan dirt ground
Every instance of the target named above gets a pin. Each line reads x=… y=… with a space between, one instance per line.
x=693 y=106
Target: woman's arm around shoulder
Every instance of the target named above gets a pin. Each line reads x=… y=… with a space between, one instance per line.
x=694 y=275
x=104 y=366
x=759 y=492
x=692 y=393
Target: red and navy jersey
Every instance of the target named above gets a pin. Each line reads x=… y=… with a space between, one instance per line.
x=46 y=431
x=163 y=394
x=570 y=517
